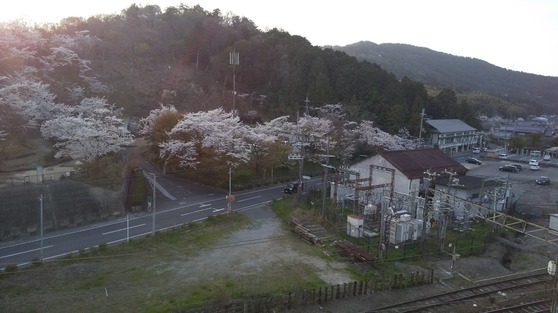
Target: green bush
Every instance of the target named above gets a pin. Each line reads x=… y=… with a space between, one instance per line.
x=36 y=262
x=103 y=247
x=10 y=268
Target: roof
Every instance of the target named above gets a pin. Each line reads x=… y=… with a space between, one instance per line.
x=450 y=126
x=468 y=182
x=414 y=163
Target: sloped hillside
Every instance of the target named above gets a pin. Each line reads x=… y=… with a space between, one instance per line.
x=449 y=71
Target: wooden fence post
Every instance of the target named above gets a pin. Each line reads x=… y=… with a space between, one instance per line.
x=337 y=293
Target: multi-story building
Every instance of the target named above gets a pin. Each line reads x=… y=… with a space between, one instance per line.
x=452 y=136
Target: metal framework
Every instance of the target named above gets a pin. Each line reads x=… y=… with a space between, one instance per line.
x=507 y=221
x=358 y=180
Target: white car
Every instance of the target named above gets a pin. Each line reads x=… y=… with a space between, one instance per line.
x=546 y=157
x=533 y=162
x=535 y=168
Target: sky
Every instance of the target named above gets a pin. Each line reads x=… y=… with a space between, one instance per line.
x=520 y=35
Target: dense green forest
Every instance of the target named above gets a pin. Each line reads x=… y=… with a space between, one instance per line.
x=180 y=56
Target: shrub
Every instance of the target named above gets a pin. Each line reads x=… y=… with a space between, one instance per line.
x=93 y=250
x=103 y=247
x=36 y=262
x=10 y=268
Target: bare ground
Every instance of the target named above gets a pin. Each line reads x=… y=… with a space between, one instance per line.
x=256 y=249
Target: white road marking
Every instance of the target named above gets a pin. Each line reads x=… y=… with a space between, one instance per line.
x=249 y=199
x=23 y=252
x=121 y=229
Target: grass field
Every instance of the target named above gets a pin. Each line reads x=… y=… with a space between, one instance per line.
x=149 y=274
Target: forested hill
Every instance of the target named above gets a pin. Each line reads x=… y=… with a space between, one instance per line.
x=446 y=70
x=179 y=56
x=144 y=57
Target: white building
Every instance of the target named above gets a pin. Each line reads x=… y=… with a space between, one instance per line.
x=410 y=168
x=452 y=135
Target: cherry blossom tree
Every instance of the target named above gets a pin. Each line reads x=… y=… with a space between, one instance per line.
x=87 y=133
x=18 y=48
x=375 y=137
x=148 y=124
x=220 y=132
x=259 y=140
x=313 y=132
x=30 y=99
x=84 y=125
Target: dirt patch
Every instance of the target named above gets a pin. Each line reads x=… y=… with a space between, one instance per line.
x=257 y=249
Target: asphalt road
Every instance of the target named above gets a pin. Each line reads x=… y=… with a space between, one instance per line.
x=176 y=202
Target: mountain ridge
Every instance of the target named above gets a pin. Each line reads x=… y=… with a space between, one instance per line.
x=462 y=73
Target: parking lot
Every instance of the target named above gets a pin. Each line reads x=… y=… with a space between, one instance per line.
x=533 y=201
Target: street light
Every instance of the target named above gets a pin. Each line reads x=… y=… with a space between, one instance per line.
x=153 y=184
x=41 y=200
x=230 y=197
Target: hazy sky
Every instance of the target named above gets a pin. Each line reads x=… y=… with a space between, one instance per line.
x=521 y=35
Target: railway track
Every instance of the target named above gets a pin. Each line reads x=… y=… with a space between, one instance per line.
x=518 y=294
x=538 y=306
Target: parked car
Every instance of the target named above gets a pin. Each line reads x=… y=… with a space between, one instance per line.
x=503 y=155
x=518 y=166
x=534 y=167
x=543 y=180
x=534 y=162
x=508 y=168
x=473 y=161
x=291 y=188
x=546 y=157
x=476 y=150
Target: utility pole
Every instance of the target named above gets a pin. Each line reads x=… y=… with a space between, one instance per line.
x=154 y=186
x=420 y=130
x=326 y=170
x=234 y=60
x=41 y=221
x=428 y=198
x=127 y=227
x=306 y=110
x=452 y=182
